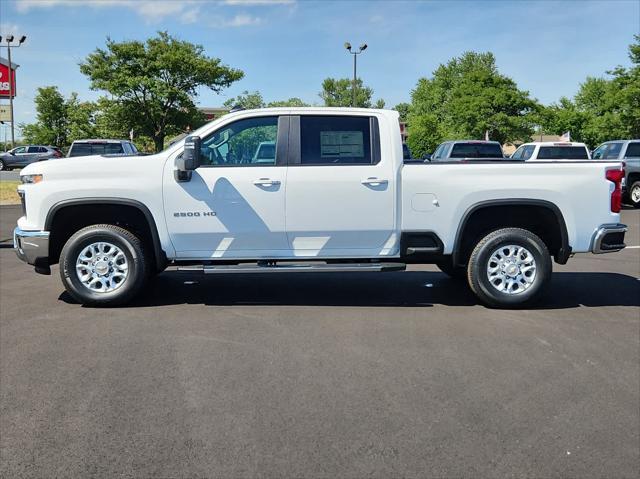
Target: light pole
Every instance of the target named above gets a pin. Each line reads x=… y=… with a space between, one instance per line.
x=12 y=87
x=355 y=54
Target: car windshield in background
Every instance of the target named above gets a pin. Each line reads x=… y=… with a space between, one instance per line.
x=476 y=150
x=563 y=153
x=87 y=149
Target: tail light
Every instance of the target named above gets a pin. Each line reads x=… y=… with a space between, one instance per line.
x=615 y=176
x=57 y=154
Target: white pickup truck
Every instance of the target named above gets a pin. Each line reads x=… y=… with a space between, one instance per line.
x=333 y=195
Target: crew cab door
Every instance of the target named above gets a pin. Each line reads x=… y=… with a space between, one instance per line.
x=233 y=204
x=340 y=188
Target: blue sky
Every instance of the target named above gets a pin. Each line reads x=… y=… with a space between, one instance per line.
x=287 y=47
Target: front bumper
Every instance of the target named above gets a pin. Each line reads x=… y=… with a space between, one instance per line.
x=32 y=247
x=608 y=238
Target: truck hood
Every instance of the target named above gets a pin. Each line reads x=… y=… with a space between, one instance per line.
x=80 y=166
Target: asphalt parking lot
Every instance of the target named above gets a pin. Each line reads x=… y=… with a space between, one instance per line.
x=350 y=375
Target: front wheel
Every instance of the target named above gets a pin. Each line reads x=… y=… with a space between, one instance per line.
x=2 y=166
x=103 y=265
x=509 y=268
x=634 y=194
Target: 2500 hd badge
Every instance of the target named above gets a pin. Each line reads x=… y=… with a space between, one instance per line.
x=191 y=214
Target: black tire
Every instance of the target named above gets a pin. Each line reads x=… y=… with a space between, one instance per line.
x=454 y=272
x=479 y=263
x=131 y=247
x=635 y=188
x=2 y=166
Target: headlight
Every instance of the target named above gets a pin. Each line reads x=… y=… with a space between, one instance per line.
x=31 y=178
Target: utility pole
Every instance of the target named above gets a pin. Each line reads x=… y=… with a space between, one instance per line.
x=355 y=54
x=12 y=87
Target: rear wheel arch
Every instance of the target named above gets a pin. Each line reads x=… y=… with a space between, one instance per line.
x=541 y=217
x=67 y=217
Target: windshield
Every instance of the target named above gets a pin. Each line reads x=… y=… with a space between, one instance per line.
x=563 y=153
x=476 y=150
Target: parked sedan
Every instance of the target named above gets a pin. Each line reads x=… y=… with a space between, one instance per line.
x=22 y=156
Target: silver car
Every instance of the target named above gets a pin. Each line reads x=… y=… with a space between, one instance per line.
x=22 y=156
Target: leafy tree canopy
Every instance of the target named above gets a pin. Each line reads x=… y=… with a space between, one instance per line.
x=339 y=92
x=465 y=98
x=603 y=109
x=154 y=82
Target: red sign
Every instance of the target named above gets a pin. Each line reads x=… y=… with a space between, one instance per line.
x=7 y=86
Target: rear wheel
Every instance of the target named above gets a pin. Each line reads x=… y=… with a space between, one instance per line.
x=634 y=194
x=509 y=268
x=103 y=265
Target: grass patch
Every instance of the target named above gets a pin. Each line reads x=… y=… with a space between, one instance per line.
x=8 y=195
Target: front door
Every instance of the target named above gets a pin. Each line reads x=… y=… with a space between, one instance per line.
x=340 y=188
x=234 y=205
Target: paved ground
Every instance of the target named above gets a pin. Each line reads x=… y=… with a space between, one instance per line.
x=10 y=175
x=353 y=375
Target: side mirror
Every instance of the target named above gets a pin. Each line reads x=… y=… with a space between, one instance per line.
x=191 y=154
x=427 y=157
x=190 y=159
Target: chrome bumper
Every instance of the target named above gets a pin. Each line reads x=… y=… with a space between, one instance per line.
x=32 y=247
x=608 y=238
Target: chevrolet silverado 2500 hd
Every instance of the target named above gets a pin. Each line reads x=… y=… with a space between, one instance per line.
x=332 y=194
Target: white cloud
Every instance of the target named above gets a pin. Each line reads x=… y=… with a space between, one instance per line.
x=190 y=16
x=155 y=10
x=258 y=2
x=243 y=20
x=9 y=29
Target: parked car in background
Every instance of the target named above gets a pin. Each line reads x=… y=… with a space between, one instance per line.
x=552 y=150
x=22 y=156
x=629 y=152
x=102 y=147
x=468 y=150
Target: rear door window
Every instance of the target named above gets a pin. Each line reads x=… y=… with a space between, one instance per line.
x=476 y=150
x=563 y=153
x=80 y=149
x=109 y=149
x=633 y=150
x=336 y=140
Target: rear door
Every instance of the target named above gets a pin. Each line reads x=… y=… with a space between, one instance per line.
x=340 y=196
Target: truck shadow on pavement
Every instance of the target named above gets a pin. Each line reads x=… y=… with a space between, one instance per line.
x=409 y=289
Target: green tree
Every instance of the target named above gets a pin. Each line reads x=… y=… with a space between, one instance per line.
x=52 y=119
x=603 y=109
x=339 y=92
x=155 y=82
x=465 y=98
x=247 y=100
x=403 y=109
x=294 y=101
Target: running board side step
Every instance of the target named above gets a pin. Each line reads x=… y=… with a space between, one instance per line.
x=296 y=268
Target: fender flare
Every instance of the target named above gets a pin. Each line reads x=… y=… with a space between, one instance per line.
x=564 y=251
x=160 y=255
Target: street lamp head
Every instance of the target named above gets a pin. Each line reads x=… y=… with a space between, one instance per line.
x=363 y=47
x=347 y=45
x=22 y=39
x=9 y=38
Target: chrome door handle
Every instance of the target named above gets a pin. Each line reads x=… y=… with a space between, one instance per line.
x=266 y=182
x=372 y=181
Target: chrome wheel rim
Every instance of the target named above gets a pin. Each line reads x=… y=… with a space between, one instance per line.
x=511 y=269
x=102 y=267
x=635 y=194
